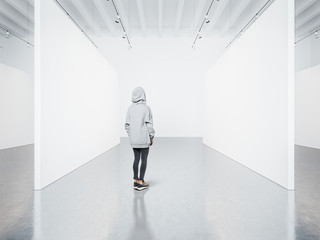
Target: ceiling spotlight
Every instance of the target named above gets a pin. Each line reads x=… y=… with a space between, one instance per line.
x=205 y=20
x=316 y=35
x=28 y=44
x=118 y=20
x=7 y=34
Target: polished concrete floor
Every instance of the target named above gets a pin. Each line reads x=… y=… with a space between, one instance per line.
x=195 y=193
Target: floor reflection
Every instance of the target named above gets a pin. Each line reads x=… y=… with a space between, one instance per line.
x=195 y=193
x=81 y=205
x=241 y=204
x=140 y=229
x=307 y=193
x=16 y=193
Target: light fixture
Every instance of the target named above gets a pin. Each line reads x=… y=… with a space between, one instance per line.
x=314 y=33
x=74 y=21
x=7 y=34
x=205 y=20
x=251 y=21
x=125 y=36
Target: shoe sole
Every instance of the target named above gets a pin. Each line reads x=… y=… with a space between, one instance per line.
x=139 y=188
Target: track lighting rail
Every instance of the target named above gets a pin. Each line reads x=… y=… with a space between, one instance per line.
x=74 y=21
x=316 y=33
x=8 y=33
x=205 y=20
x=125 y=35
x=251 y=21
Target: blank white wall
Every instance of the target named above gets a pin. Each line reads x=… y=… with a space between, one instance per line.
x=249 y=97
x=16 y=107
x=173 y=84
x=307 y=53
x=307 y=110
x=172 y=74
x=76 y=97
x=17 y=54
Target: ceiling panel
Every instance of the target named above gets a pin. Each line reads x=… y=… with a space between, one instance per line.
x=307 y=18
x=148 y=18
x=16 y=19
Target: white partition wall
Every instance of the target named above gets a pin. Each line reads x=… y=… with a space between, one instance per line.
x=172 y=74
x=307 y=53
x=307 y=111
x=76 y=97
x=249 y=97
x=16 y=53
x=16 y=107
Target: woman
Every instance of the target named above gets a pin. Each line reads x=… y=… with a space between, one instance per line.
x=139 y=127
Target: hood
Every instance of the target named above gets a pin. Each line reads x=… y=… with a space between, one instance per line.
x=138 y=95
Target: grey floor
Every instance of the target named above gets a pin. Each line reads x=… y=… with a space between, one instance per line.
x=195 y=193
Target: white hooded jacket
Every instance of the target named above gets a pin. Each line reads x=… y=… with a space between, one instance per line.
x=139 y=120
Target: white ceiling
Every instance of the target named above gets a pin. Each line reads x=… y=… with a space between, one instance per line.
x=148 y=18
x=16 y=16
x=307 y=17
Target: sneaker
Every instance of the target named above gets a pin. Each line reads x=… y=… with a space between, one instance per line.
x=135 y=185
x=143 y=183
x=139 y=187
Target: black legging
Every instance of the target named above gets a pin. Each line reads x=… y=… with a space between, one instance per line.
x=143 y=152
